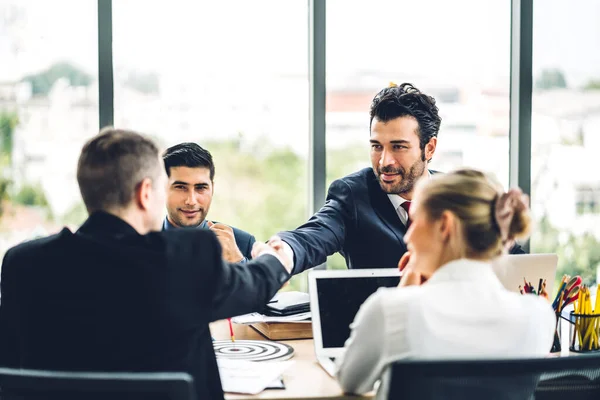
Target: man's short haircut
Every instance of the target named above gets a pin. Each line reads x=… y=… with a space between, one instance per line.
x=406 y=100
x=188 y=155
x=111 y=166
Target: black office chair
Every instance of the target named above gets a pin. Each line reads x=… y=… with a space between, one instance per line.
x=35 y=384
x=566 y=378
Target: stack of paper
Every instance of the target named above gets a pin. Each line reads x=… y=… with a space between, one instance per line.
x=249 y=377
x=254 y=318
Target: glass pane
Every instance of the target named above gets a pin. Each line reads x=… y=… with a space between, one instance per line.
x=48 y=109
x=565 y=134
x=456 y=51
x=232 y=77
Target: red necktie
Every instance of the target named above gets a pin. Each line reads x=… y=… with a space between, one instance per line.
x=406 y=206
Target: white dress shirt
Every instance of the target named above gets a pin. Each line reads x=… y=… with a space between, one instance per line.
x=461 y=312
x=397 y=202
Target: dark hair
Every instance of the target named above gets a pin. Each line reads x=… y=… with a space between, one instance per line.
x=188 y=155
x=111 y=166
x=399 y=101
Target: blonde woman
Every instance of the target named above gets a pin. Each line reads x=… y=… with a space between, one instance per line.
x=461 y=221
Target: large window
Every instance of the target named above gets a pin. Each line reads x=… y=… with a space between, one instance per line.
x=231 y=76
x=456 y=51
x=48 y=108
x=565 y=184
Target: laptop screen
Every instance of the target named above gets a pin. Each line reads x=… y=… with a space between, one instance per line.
x=339 y=301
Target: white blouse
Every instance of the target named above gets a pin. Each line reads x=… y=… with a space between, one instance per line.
x=461 y=312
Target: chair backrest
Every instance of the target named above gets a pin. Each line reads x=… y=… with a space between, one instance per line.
x=576 y=377
x=36 y=384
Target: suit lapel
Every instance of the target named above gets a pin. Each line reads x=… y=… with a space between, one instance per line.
x=384 y=208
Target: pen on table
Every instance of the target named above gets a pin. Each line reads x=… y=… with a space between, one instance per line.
x=231 y=330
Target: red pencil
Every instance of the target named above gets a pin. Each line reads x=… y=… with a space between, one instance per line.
x=231 y=330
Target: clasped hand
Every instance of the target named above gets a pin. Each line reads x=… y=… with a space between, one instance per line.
x=275 y=247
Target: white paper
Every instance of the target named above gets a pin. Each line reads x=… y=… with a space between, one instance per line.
x=276 y=384
x=253 y=318
x=290 y=297
x=249 y=377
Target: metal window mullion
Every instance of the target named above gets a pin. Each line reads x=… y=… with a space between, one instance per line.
x=105 y=64
x=317 y=170
x=317 y=93
x=521 y=46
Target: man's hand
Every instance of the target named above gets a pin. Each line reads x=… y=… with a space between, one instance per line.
x=274 y=247
x=231 y=252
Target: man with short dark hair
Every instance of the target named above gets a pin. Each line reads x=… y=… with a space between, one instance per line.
x=365 y=216
x=119 y=294
x=191 y=173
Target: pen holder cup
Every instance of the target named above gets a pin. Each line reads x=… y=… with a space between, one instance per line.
x=584 y=332
x=556 y=346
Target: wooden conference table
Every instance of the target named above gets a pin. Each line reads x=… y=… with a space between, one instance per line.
x=305 y=379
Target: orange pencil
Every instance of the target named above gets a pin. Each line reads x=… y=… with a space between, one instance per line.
x=231 y=330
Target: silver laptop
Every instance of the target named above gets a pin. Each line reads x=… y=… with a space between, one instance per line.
x=335 y=297
x=513 y=269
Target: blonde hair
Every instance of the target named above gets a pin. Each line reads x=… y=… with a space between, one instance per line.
x=472 y=197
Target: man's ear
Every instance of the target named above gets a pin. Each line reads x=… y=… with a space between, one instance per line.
x=143 y=194
x=430 y=148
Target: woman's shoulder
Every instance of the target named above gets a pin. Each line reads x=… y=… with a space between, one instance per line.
x=394 y=300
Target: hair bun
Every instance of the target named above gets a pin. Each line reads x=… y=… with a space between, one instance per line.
x=511 y=214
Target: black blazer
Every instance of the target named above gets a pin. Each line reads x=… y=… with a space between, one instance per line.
x=108 y=299
x=359 y=221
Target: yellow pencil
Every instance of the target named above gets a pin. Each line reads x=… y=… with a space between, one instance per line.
x=597 y=305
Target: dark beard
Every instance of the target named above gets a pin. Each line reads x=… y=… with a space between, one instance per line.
x=408 y=181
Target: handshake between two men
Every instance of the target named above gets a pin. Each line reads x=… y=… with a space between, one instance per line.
x=274 y=247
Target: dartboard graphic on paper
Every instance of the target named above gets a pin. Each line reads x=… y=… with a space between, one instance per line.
x=252 y=350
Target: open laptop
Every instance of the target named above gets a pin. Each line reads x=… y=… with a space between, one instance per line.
x=512 y=269
x=335 y=297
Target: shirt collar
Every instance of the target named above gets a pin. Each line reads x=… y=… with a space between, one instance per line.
x=168 y=225
x=398 y=200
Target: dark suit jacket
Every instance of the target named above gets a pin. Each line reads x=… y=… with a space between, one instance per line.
x=243 y=239
x=108 y=299
x=359 y=221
